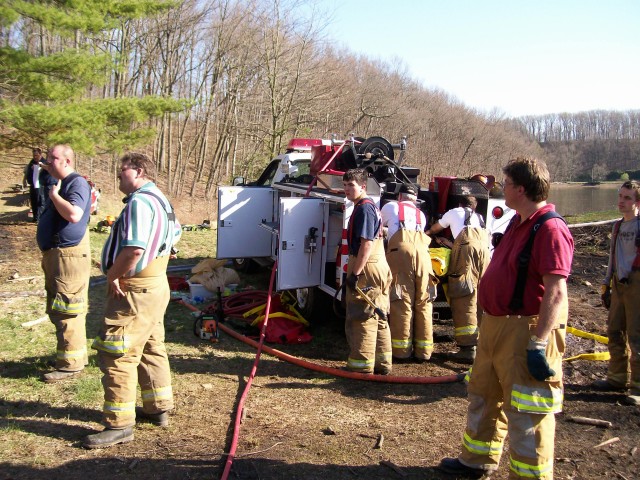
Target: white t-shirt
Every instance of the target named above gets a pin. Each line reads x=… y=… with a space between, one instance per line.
x=626 y=248
x=35 y=173
x=390 y=217
x=454 y=219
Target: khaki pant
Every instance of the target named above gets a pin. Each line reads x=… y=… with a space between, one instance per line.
x=623 y=330
x=368 y=335
x=505 y=399
x=66 y=274
x=469 y=259
x=131 y=347
x=411 y=307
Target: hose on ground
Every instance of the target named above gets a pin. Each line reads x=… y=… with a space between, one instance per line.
x=331 y=370
x=243 y=398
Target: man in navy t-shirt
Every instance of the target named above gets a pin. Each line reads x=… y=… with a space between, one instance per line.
x=367 y=333
x=66 y=260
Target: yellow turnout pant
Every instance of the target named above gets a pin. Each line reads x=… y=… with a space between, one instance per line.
x=411 y=308
x=505 y=398
x=66 y=273
x=623 y=330
x=469 y=260
x=131 y=347
x=367 y=334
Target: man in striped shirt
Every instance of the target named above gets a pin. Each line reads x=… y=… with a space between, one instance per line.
x=130 y=344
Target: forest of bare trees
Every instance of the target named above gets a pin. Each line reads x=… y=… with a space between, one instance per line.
x=587 y=145
x=238 y=79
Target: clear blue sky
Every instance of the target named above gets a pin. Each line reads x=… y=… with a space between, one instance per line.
x=521 y=57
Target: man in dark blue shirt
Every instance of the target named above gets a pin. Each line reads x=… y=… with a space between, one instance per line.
x=367 y=333
x=31 y=178
x=66 y=260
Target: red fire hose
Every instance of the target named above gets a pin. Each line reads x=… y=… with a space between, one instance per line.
x=240 y=409
x=331 y=370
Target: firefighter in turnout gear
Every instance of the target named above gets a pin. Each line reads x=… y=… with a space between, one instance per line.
x=622 y=284
x=469 y=260
x=130 y=344
x=413 y=284
x=66 y=261
x=515 y=385
x=367 y=332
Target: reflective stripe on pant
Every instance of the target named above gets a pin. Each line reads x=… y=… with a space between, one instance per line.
x=367 y=334
x=504 y=398
x=470 y=257
x=623 y=330
x=66 y=272
x=411 y=311
x=131 y=348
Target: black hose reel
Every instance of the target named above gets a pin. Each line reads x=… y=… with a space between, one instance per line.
x=364 y=153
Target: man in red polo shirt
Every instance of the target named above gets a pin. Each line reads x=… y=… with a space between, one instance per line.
x=515 y=386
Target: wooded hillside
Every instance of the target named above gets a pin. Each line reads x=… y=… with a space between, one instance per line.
x=216 y=88
x=584 y=146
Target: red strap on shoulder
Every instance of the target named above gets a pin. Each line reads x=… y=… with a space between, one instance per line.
x=362 y=201
x=401 y=206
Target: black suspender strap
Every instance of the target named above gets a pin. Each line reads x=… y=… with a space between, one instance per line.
x=171 y=216
x=517 y=299
x=467 y=216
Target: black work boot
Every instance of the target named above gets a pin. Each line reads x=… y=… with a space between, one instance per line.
x=454 y=466
x=605 y=385
x=59 y=375
x=160 y=419
x=466 y=354
x=633 y=398
x=108 y=437
x=382 y=371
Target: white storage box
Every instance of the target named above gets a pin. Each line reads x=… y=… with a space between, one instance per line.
x=200 y=291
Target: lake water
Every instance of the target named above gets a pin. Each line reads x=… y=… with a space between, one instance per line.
x=574 y=199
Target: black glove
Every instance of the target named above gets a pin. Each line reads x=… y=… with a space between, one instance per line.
x=605 y=295
x=352 y=281
x=538 y=365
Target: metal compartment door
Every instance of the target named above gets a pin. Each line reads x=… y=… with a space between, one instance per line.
x=241 y=210
x=300 y=256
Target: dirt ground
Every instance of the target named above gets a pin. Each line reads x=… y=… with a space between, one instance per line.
x=300 y=424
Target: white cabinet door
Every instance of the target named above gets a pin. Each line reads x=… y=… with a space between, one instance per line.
x=241 y=211
x=300 y=246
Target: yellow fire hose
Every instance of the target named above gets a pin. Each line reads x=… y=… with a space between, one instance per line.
x=591 y=336
x=597 y=356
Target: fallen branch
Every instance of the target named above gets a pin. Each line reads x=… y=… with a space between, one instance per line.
x=591 y=421
x=608 y=442
x=620 y=475
x=31 y=323
x=20 y=279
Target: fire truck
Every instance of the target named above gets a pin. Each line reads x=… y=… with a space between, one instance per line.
x=296 y=213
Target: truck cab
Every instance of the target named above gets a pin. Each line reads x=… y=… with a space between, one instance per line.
x=294 y=165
